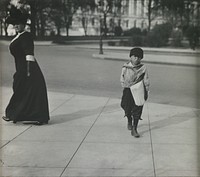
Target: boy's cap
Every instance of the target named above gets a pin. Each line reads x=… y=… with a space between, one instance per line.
x=137 y=51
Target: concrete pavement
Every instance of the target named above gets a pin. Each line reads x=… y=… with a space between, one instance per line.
x=87 y=136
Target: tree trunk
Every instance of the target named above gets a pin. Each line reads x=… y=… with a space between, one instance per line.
x=149 y=15
x=85 y=24
x=33 y=17
x=58 y=30
x=5 y=29
x=105 y=24
x=67 y=29
x=42 y=31
x=38 y=27
x=1 y=28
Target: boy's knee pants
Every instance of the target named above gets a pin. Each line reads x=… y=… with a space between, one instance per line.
x=129 y=106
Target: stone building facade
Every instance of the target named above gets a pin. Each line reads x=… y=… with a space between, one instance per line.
x=133 y=13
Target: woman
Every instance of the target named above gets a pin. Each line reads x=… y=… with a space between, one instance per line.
x=29 y=100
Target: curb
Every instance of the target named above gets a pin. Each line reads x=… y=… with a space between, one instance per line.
x=154 y=51
x=114 y=58
x=158 y=51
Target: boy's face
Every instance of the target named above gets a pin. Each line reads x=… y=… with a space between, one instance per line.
x=135 y=60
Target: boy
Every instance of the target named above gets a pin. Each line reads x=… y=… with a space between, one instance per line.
x=132 y=73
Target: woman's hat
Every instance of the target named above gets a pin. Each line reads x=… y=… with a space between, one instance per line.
x=138 y=52
x=16 y=16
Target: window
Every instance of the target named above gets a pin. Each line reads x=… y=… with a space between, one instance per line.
x=125 y=7
x=135 y=7
x=127 y=23
x=111 y=22
x=142 y=8
x=119 y=22
x=93 y=21
x=135 y=23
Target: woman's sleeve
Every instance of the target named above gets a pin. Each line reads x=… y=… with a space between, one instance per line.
x=28 y=45
x=28 y=49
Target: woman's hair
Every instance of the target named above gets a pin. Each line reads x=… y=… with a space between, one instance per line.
x=16 y=16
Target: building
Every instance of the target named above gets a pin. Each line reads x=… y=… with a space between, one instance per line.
x=133 y=13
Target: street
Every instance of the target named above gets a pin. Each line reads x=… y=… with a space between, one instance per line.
x=73 y=70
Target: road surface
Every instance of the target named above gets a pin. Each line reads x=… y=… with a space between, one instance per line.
x=73 y=70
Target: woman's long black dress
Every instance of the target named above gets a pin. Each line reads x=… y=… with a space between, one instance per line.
x=29 y=101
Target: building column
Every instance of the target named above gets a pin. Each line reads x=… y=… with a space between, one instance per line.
x=131 y=8
x=135 y=8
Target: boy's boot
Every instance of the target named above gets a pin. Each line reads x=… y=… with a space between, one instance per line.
x=129 y=125
x=134 y=132
x=134 y=129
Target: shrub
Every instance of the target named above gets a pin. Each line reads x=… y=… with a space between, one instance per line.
x=111 y=43
x=159 y=35
x=177 y=36
x=192 y=33
x=133 y=31
x=118 y=31
x=136 y=40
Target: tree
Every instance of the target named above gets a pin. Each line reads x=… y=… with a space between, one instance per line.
x=192 y=18
x=105 y=8
x=56 y=15
x=3 y=13
x=117 y=13
x=69 y=7
x=86 y=9
x=38 y=11
x=198 y=13
x=62 y=12
x=149 y=14
x=173 y=11
x=41 y=17
x=159 y=35
x=193 y=34
x=152 y=11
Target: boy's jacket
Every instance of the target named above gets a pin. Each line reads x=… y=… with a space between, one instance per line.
x=131 y=75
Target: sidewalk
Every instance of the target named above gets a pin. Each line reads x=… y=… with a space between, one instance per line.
x=87 y=136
